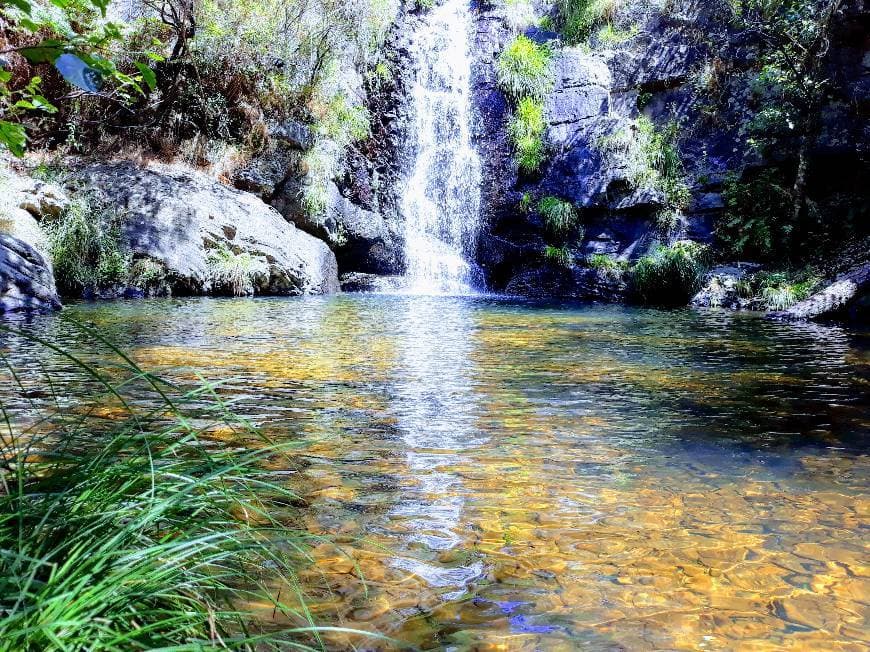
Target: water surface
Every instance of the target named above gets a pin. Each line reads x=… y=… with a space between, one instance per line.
x=524 y=477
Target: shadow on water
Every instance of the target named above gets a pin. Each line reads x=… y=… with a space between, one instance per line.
x=533 y=475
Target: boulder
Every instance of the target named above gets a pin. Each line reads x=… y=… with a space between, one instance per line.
x=578 y=283
x=361 y=282
x=26 y=278
x=848 y=290
x=362 y=240
x=721 y=287
x=176 y=216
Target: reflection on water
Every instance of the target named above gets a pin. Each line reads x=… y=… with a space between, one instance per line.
x=509 y=476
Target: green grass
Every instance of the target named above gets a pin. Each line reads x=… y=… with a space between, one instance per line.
x=651 y=157
x=559 y=256
x=524 y=69
x=577 y=18
x=608 y=266
x=781 y=289
x=670 y=275
x=234 y=273
x=125 y=524
x=85 y=247
x=526 y=131
x=560 y=217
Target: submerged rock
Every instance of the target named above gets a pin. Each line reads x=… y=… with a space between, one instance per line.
x=175 y=217
x=26 y=278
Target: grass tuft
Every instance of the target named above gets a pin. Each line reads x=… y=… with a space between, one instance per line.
x=526 y=130
x=234 y=273
x=524 y=69
x=670 y=275
x=143 y=530
x=560 y=217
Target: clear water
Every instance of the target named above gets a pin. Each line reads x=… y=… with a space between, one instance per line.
x=524 y=477
x=441 y=200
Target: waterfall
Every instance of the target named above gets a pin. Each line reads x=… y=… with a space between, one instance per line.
x=441 y=200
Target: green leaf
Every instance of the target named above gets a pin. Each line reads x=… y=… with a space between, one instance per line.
x=13 y=136
x=5 y=76
x=39 y=102
x=147 y=75
x=45 y=52
x=23 y=5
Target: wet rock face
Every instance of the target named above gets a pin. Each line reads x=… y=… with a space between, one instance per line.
x=685 y=65
x=176 y=217
x=26 y=278
x=581 y=284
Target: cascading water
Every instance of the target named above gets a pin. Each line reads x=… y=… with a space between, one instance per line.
x=441 y=201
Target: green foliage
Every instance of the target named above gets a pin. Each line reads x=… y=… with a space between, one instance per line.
x=652 y=158
x=525 y=204
x=149 y=276
x=756 y=223
x=577 y=18
x=47 y=30
x=608 y=266
x=559 y=256
x=234 y=273
x=611 y=35
x=143 y=530
x=86 y=249
x=670 y=275
x=526 y=130
x=560 y=217
x=524 y=69
x=779 y=290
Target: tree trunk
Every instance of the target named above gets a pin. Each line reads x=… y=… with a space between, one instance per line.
x=799 y=190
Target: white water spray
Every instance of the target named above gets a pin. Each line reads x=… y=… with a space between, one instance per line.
x=441 y=201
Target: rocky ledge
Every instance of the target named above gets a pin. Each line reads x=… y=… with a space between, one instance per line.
x=177 y=216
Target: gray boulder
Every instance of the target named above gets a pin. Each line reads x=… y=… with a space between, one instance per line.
x=846 y=291
x=26 y=278
x=175 y=217
x=722 y=287
x=362 y=240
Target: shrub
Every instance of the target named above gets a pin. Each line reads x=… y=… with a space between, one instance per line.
x=670 y=275
x=559 y=256
x=611 y=35
x=524 y=69
x=608 y=266
x=526 y=130
x=86 y=249
x=144 y=530
x=577 y=18
x=559 y=216
x=651 y=157
x=149 y=276
x=234 y=273
x=779 y=290
x=754 y=223
x=669 y=221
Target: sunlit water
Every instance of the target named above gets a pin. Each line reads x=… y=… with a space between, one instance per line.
x=511 y=476
x=441 y=199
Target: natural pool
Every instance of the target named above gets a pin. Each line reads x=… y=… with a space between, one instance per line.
x=517 y=476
